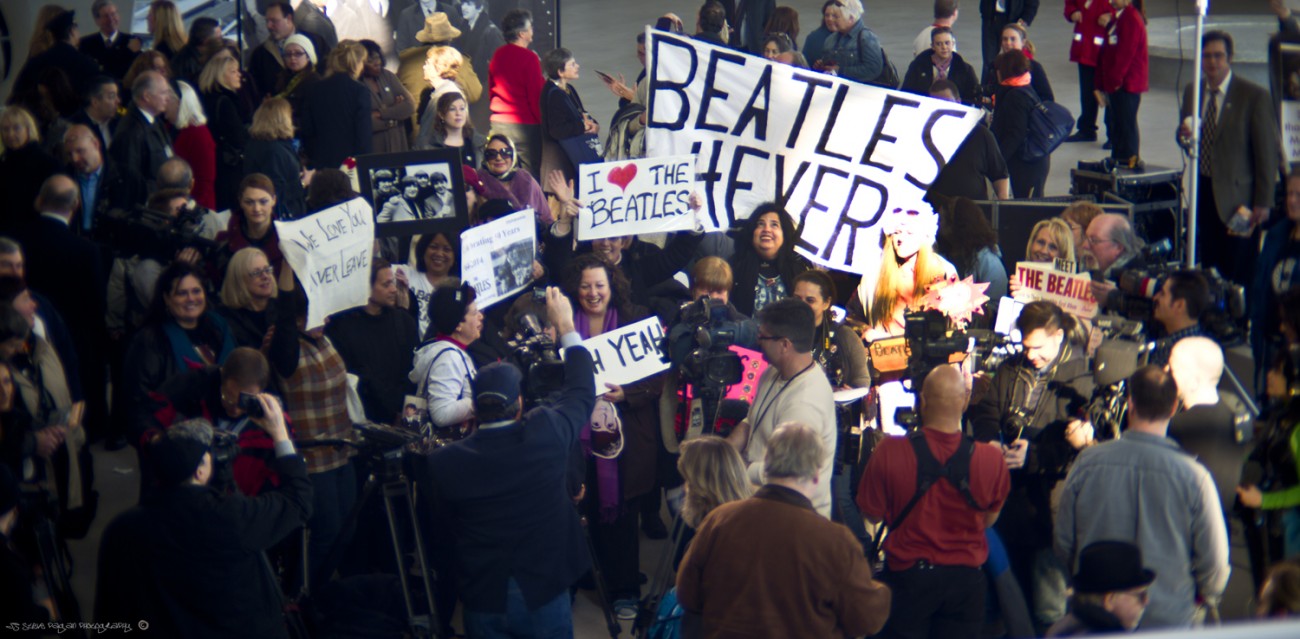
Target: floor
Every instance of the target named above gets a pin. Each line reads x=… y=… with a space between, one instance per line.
x=601 y=34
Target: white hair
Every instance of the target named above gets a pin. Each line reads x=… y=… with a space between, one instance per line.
x=190 y=111
x=852 y=8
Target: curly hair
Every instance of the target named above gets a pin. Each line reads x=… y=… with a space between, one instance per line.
x=620 y=289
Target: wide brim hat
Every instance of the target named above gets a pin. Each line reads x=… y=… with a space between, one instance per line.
x=1111 y=566
x=437 y=28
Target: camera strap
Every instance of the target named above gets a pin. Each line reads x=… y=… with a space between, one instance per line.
x=928 y=471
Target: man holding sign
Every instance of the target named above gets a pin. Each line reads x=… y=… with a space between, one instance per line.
x=792 y=389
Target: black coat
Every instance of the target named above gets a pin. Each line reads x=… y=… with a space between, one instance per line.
x=335 y=121
x=249 y=329
x=69 y=270
x=920 y=75
x=379 y=350
x=190 y=561
x=520 y=471
x=278 y=161
x=264 y=68
x=81 y=117
x=1016 y=9
x=114 y=59
x=80 y=68
x=22 y=171
x=139 y=149
x=230 y=132
x=1011 y=119
x=111 y=193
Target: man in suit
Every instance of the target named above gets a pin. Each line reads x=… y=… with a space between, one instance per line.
x=68 y=269
x=140 y=145
x=100 y=184
x=515 y=572
x=267 y=61
x=1238 y=165
x=100 y=114
x=996 y=14
x=748 y=21
x=62 y=54
x=112 y=49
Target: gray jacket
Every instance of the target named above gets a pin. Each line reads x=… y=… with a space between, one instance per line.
x=1144 y=489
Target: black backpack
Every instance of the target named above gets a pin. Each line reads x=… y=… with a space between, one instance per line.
x=928 y=471
x=888 y=77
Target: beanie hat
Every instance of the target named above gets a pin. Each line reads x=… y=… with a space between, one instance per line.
x=304 y=42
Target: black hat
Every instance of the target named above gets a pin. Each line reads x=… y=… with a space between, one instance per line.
x=500 y=381
x=447 y=307
x=176 y=458
x=1111 y=566
x=9 y=492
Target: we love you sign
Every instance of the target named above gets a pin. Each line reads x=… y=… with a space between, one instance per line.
x=635 y=196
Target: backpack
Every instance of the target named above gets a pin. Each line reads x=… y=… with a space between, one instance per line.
x=928 y=471
x=1049 y=125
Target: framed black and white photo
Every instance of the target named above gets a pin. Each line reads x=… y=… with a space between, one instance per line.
x=414 y=192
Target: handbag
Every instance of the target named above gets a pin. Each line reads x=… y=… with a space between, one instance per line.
x=583 y=149
x=1049 y=125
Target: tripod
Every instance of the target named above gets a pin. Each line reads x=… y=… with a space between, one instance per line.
x=55 y=560
x=662 y=579
x=387 y=476
x=611 y=622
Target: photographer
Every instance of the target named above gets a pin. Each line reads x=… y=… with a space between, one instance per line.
x=228 y=396
x=132 y=279
x=190 y=561
x=443 y=370
x=517 y=465
x=1183 y=297
x=1031 y=409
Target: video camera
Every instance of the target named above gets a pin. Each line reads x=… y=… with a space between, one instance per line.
x=1224 y=319
x=929 y=344
x=698 y=346
x=538 y=356
x=153 y=234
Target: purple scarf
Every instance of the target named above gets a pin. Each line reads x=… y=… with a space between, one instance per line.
x=607 y=486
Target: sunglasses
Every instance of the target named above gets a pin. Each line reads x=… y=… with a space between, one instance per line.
x=493 y=154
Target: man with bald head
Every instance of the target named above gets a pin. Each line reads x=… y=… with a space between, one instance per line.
x=937 y=490
x=140 y=144
x=100 y=184
x=1206 y=426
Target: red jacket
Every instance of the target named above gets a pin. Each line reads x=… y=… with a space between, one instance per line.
x=196 y=146
x=515 y=83
x=1088 y=34
x=1123 y=61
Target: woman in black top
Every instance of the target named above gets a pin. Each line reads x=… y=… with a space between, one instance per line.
x=765 y=262
x=24 y=166
x=1015 y=100
x=563 y=115
x=219 y=83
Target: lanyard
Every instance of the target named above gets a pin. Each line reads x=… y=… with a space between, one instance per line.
x=763 y=411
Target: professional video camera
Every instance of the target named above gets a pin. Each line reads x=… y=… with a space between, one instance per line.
x=929 y=344
x=1225 y=318
x=154 y=234
x=538 y=356
x=698 y=345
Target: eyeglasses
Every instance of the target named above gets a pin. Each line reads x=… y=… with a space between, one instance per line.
x=764 y=338
x=295 y=54
x=494 y=154
x=1093 y=241
x=265 y=271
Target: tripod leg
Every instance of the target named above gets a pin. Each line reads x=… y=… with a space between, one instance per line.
x=662 y=579
x=420 y=556
x=610 y=621
x=345 y=535
x=419 y=624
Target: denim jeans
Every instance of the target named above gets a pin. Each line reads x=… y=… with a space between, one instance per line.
x=333 y=493
x=551 y=620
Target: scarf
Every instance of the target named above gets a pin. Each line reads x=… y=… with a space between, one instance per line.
x=183 y=351
x=1018 y=81
x=608 y=491
x=941 y=68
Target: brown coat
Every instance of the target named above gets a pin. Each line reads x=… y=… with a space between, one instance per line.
x=770 y=566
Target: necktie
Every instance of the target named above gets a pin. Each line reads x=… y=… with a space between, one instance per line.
x=1209 y=126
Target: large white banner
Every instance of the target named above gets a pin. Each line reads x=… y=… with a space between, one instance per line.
x=629 y=354
x=330 y=251
x=636 y=196
x=839 y=154
x=497 y=258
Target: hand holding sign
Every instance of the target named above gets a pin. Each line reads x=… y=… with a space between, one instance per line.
x=331 y=251
x=637 y=196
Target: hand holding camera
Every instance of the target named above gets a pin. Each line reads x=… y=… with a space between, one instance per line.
x=559 y=311
x=1015 y=454
x=265 y=411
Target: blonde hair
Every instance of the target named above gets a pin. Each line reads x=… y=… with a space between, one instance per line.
x=42 y=39
x=447 y=60
x=347 y=59
x=1061 y=234
x=234 y=289
x=190 y=111
x=210 y=76
x=23 y=117
x=169 y=29
x=272 y=121
x=714 y=475
x=929 y=269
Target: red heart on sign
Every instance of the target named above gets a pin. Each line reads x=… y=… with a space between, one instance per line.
x=622 y=176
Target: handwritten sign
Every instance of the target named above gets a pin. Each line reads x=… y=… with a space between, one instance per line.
x=839 y=154
x=636 y=196
x=629 y=354
x=497 y=257
x=1071 y=291
x=330 y=251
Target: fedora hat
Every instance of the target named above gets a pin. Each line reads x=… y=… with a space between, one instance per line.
x=1111 y=566
x=437 y=28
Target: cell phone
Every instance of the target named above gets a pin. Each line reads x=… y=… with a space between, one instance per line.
x=605 y=77
x=251 y=405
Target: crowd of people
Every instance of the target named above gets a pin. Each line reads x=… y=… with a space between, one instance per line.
x=1005 y=511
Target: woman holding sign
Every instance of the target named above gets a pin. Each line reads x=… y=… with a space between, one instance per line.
x=601 y=298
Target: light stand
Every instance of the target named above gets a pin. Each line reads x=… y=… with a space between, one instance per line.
x=1194 y=150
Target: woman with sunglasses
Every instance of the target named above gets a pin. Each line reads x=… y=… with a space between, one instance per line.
x=502 y=179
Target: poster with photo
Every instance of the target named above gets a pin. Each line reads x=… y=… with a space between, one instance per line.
x=497 y=257
x=414 y=192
